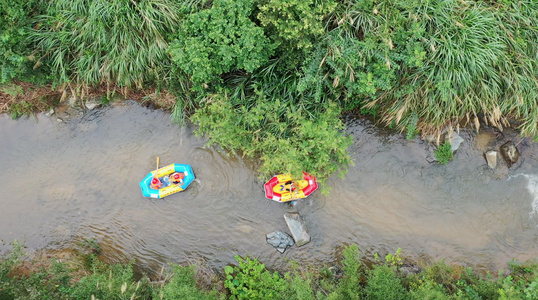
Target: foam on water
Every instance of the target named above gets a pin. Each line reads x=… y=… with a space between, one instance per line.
x=532 y=187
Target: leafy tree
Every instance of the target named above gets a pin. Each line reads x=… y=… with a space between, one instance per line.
x=295 y=25
x=16 y=57
x=219 y=40
x=284 y=136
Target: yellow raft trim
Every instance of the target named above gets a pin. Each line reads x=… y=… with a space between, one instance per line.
x=169 y=190
x=289 y=196
x=164 y=171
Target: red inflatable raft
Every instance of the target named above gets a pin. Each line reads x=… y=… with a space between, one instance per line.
x=283 y=188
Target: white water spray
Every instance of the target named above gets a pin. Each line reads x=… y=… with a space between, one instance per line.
x=532 y=187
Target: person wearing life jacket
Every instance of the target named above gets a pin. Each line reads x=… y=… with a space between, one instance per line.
x=155 y=183
x=177 y=178
x=288 y=186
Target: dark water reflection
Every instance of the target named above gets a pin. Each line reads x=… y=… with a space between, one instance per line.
x=62 y=183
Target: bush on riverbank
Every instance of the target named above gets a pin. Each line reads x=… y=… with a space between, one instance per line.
x=350 y=279
x=285 y=71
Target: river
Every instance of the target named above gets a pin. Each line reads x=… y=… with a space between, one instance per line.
x=62 y=183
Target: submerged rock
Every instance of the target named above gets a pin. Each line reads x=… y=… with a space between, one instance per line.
x=510 y=153
x=455 y=141
x=491 y=158
x=298 y=228
x=280 y=240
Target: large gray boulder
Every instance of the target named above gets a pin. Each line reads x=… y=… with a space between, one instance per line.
x=280 y=240
x=298 y=228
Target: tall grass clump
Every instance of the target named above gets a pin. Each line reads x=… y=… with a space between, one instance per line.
x=459 y=75
x=477 y=62
x=518 y=21
x=439 y=61
x=119 y=42
x=182 y=285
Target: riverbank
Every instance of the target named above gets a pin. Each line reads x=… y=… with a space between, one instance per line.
x=83 y=276
x=26 y=99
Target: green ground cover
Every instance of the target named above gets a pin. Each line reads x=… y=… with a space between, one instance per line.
x=85 y=277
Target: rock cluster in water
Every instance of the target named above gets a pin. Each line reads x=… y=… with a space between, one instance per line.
x=280 y=240
x=297 y=226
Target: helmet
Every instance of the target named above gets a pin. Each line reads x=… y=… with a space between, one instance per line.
x=155 y=181
x=176 y=176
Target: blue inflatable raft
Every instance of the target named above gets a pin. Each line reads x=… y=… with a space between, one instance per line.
x=167 y=188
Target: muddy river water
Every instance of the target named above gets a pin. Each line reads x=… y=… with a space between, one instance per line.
x=62 y=183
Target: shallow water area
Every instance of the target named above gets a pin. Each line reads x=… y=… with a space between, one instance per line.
x=65 y=182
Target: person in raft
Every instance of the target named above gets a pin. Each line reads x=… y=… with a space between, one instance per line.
x=177 y=178
x=155 y=183
x=288 y=186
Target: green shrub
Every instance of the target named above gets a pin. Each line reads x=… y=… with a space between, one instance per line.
x=383 y=284
x=343 y=68
x=443 y=153
x=285 y=137
x=474 y=286
x=426 y=289
x=19 y=109
x=295 y=25
x=442 y=274
x=7 y=264
x=110 y=282
x=411 y=128
x=219 y=40
x=349 y=285
x=16 y=57
x=51 y=283
x=250 y=280
x=300 y=288
x=182 y=286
